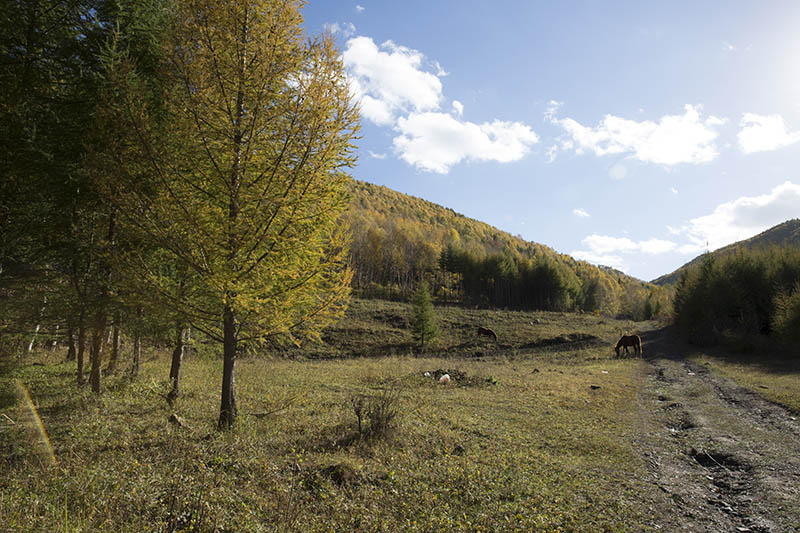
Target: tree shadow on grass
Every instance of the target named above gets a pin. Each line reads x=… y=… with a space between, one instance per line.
x=762 y=353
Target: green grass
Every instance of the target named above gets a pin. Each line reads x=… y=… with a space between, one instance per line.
x=379 y=328
x=774 y=378
x=522 y=444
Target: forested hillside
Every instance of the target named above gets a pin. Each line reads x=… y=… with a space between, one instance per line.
x=785 y=233
x=741 y=295
x=399 y=240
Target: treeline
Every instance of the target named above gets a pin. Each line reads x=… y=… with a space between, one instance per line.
x=743 y=294
x=399 y=241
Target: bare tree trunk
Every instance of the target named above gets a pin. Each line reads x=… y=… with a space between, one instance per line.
x=112 y=361
x=228 y=411
x=33 y=339
x=54 y=342
x=177 y=360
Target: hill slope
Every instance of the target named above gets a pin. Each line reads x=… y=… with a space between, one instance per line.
x=784 y=234
x=399 y=240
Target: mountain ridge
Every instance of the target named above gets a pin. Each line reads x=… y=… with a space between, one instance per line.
x=785 y=233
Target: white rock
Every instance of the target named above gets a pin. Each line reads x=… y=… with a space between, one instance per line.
x=445 y=378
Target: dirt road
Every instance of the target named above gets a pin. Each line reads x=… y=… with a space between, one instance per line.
x=723 y=458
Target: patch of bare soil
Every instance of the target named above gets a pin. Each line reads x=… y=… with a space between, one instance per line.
x=722 y=458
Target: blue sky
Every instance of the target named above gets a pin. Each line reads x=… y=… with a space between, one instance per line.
x=630 y=134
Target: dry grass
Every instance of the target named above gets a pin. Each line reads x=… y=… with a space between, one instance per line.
x=776 y=379
x=520 y=441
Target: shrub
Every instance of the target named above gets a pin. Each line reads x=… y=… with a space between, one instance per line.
x=376 y=414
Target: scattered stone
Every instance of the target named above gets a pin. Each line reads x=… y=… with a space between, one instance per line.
x=445 y=379
x=604 y=371
x=427 y=374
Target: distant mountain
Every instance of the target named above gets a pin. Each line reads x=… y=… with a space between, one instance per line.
x=784 y=234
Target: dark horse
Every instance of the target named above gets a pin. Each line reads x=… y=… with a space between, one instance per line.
x=629 y=340
x=487 y=332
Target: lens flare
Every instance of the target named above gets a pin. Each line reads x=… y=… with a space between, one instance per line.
x=36 y=422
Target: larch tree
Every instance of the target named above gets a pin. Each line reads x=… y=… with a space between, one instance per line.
x=423 y=323
x=236 y=166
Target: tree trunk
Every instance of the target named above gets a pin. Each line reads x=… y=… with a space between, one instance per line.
x=33 y=340
x=187 y=341
x=81 y=344
x=137 y=355
x=177 y=360
x=96 y=350
x=227 y=411
x=112 y=362
x=70 y=340
x=137 y=345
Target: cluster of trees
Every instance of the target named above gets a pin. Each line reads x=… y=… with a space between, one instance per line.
x=745 y=293
x=399 y=241
x=170 y=164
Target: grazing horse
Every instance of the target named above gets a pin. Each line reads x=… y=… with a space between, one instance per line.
x=487 y=332
x=629 y=340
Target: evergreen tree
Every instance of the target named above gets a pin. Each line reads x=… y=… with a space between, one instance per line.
x=423 y=323
x=237 y=171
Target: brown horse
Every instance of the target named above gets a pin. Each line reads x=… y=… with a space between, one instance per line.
x=487 y=333
x=629 y=340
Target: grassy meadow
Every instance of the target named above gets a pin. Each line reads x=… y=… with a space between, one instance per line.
x=531 y=435
x=775 y=378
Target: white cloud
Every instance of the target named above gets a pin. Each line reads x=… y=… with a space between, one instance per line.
x=441 y=72
x=603 y=244
x=345 y=29
x=434 y=141
x=394 y=89
x=580 y=212
x=376 y=155
x=657 y=246
x=741 y=219
x=606 y=246
x=674 y=139
x=673 y=190
x=761 y=133
x=360 y=8
x=552 y=110
x=389 y=79
x=614 y=261
x=551 y=153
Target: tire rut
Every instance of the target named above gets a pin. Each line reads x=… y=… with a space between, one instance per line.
x=723 y=458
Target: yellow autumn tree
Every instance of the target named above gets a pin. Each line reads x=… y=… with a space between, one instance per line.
x=236 y=166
